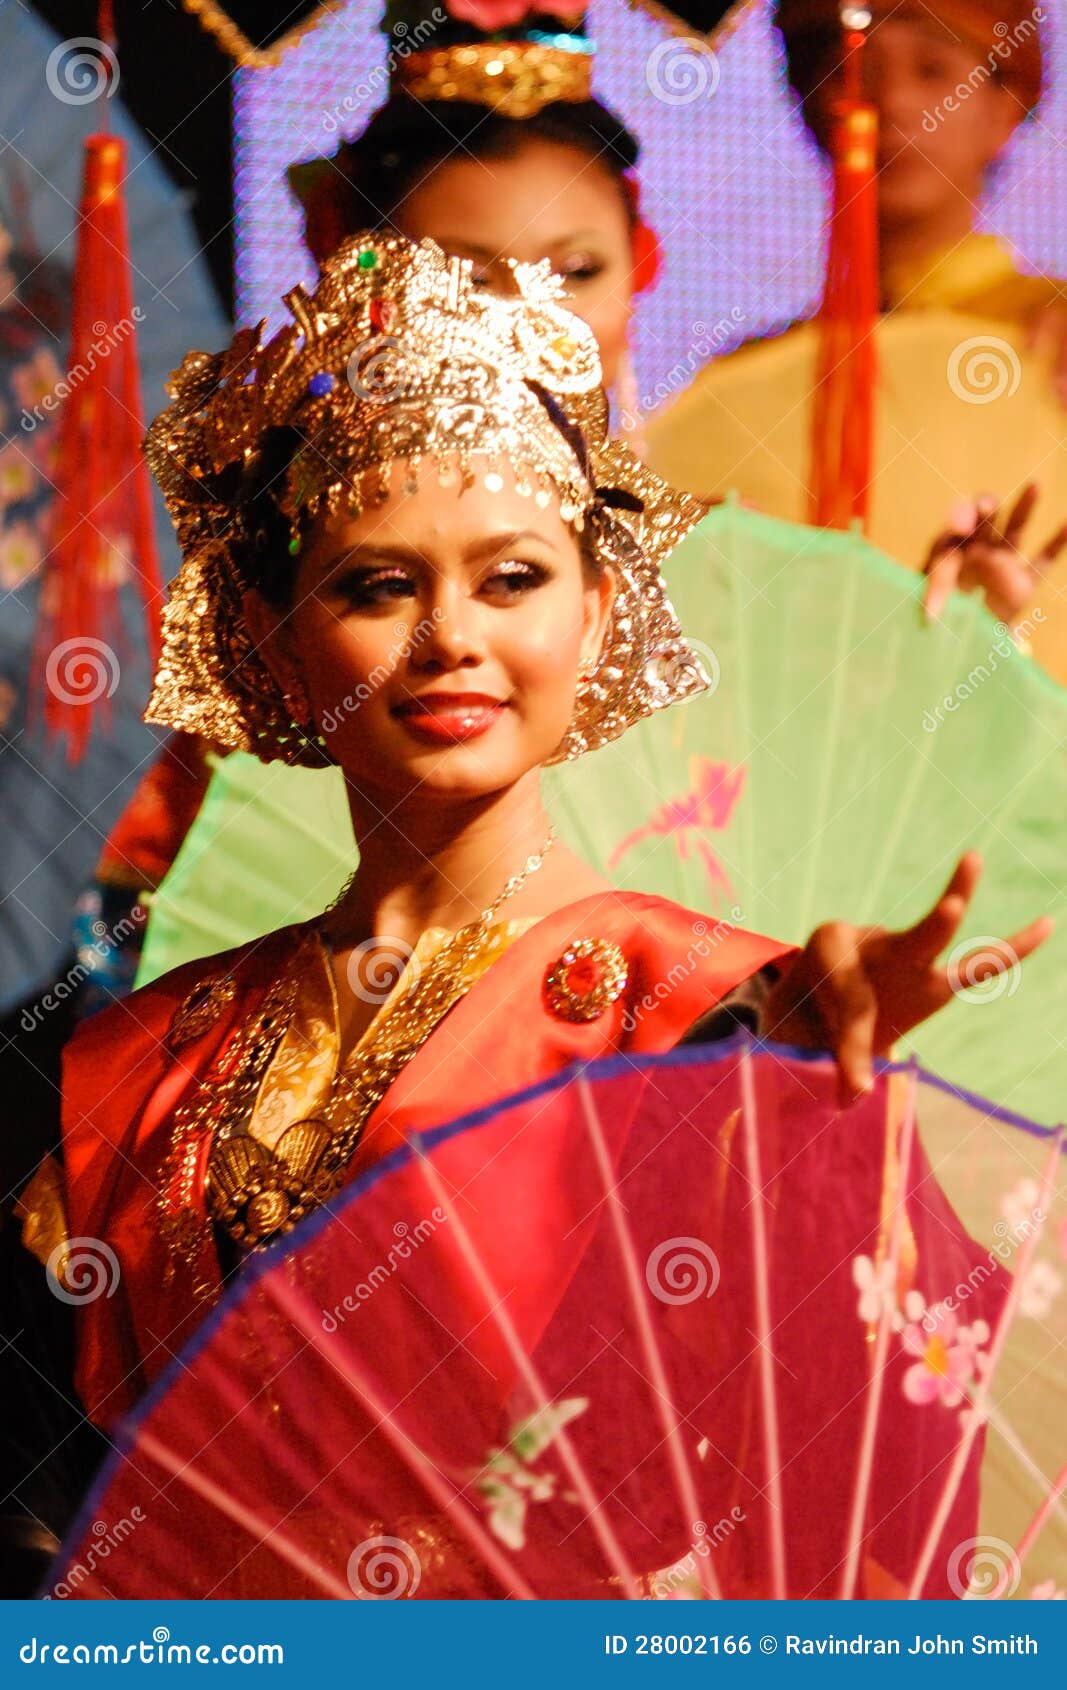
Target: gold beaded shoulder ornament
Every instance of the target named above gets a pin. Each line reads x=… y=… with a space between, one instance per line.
x=398 y=356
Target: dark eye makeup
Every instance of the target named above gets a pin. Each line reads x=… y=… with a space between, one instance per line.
x=366 y=588
x=515 y=576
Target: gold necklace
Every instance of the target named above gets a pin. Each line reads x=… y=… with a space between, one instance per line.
x=257 y=1195
x=530 y=866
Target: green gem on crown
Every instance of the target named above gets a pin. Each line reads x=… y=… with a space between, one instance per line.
x=368 y=258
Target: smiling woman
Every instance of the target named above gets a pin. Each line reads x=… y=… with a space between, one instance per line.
x=440 y=585
x=496 y=168
x=469 y=556
x=491 y=586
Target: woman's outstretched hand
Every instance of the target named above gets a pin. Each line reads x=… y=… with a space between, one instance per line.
x=981 y=553
x=855 y=990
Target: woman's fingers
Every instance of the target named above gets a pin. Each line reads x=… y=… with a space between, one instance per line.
x=942 y=579
x=997 y=956
x=1005 y=577
x=1028 y=939
x=1020 y=514
x=986 y=532
x=924 y=942
x=848 y=1006
x=855 y=989
x=1048 y=554
x=977 y=553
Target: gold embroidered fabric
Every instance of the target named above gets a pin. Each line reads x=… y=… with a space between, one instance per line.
x=273 y=1162
x=42 y=1210
x=301 y=1074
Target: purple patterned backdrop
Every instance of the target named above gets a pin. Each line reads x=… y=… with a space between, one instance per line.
x=729 y=178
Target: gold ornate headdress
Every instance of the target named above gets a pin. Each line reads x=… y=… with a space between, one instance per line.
x=514 y=78
x=397 y=356
x=514 y=58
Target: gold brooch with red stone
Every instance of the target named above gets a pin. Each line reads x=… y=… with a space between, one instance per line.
x=200 y=1010
x=589 y=976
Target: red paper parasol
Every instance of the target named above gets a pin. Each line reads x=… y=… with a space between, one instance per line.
x=681 y=1329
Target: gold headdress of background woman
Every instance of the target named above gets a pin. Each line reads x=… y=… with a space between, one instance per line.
x=398 y=356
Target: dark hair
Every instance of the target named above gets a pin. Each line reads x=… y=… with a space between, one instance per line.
x=260 y=548
x=368 y=179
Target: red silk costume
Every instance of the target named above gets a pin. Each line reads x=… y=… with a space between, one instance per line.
x=123 y=1083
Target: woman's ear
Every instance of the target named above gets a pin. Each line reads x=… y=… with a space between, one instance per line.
x=596 y=613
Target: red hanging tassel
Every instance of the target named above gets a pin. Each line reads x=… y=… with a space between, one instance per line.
x=102 y=529
x=842 y=441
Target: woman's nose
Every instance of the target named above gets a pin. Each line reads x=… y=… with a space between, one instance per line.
x=452 y=633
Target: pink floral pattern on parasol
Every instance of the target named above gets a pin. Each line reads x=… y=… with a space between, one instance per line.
x=709 y=804
x=949 y=1355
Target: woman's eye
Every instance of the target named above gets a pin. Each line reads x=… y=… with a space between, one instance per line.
x=512 y=579
x=580 y=267
x=365 y=590
x=925 y=65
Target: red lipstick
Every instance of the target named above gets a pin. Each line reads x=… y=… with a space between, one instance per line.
x=449 y=718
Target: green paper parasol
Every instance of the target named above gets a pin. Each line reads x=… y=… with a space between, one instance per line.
x=846 y=757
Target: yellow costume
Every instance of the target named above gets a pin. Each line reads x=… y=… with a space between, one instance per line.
x=962 y=408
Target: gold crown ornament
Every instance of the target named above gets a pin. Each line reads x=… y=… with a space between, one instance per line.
x=398 y=356
x=515 y=78
x=515 y=58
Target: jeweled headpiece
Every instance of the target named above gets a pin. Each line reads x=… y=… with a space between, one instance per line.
x=514 y=56
x=398 y=356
